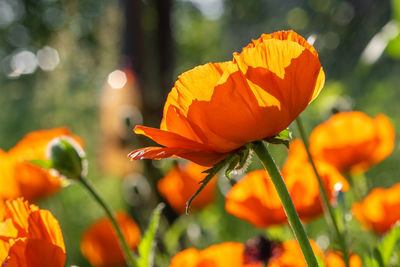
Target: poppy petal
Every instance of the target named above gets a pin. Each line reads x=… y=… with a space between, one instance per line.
x=43 y=226
x=386 y=135
x=35 y=253
x=182 y=182
x=35 y=238
x=274 y=66
x=100 y=243
x=168 y=139
x=201 y=157
x=360 y=140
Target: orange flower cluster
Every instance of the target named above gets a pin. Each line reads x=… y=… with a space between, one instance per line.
x=221 y=255
x=352 y=141
x=180 y=183
x=288 y=254
x=334 y=259
x=380 y=210
x=29 y=236
x=100 y=243
x=216 y=108
x=232 y=254
x=255 y=199
x=18 y=177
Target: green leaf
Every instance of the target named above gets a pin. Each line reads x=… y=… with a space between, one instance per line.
x=378 y=257
x=388 y=244
x=370 y=262
x=174 y=233
x=211 y=173
x=396 y=9
x=393 y=47
x=234 y=162
x=146 y=246
x=283 y=137
x=321 y=261
x=46 y=164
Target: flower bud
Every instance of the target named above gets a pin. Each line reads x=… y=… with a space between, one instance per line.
x=67 y=157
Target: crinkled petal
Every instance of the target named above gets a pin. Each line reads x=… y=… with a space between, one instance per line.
x=43 y=225
x=19 y=211
x=34 y=253
x=201 y=157
x=168 y=139
x=220 y=107
x=283 y=70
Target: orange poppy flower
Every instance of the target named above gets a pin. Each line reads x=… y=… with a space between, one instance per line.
x=334 y=259
x=216 y=108
x=225 y=254
x=297 y=164
x=29 y=237
x=352 y=141
x=380 y=210
x=24 y=178
x=8 y=185
x=180 y=184
x=288 y=254
x=100 y=243
x=254 y=198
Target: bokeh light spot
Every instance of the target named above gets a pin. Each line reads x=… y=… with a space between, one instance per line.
x=23 y=62
x=18 y=35
x=7 y=14
x=117 y=79
x=48 y=58
x=297 y=19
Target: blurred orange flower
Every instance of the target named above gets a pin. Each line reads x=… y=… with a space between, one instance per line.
x=352 y=141
x=288 y=254
x=180 y=184
x=216 y=108
x=29 y=237
x=22 y=178
x=334 y=259
x=221 y=255
x=232 y=254
x=255 y=199
x=380 y=210
x=100 y=243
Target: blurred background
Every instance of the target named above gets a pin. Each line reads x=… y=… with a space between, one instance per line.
x=102 y=66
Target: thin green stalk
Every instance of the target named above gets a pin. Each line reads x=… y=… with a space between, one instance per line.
x=294 y=221
x=325 y=201
x=125 y=248
x=356 y=190
x=358 y=184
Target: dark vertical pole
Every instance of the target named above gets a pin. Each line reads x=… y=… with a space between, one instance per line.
x=165 y=64
x=165 y=44
x=140 y=44
x=132 y=50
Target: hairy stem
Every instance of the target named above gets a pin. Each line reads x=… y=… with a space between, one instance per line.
x=324 y=196
x=294 y=221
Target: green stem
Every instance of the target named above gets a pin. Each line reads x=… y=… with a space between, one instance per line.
x=125 y=248
x=358 y=184
x=354 y=187
x=325 y=201
x=293 y=218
